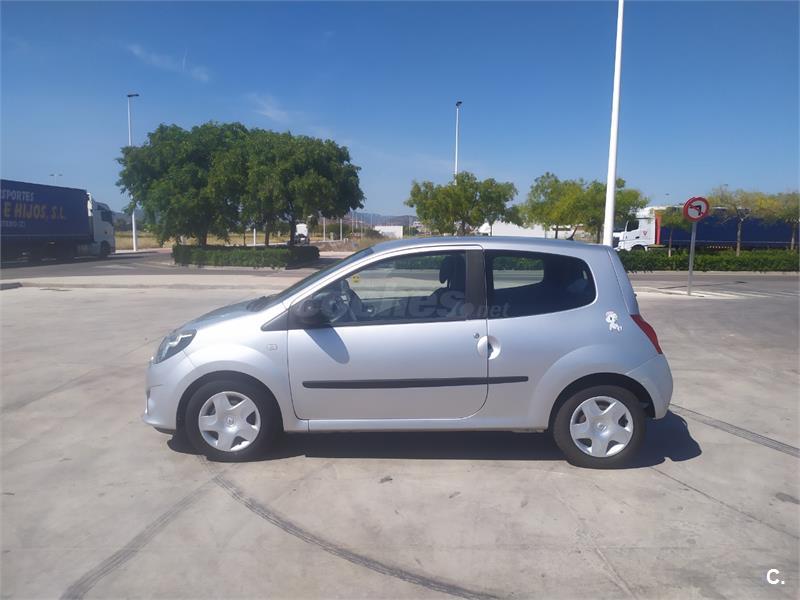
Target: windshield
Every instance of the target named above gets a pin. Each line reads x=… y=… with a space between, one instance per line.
x=281 y=296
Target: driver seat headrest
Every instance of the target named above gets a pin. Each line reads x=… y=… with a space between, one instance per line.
x=453 y=270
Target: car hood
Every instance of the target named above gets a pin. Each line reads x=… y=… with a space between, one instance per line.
x=232 y=311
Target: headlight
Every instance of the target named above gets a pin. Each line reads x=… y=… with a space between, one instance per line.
x=173 y=343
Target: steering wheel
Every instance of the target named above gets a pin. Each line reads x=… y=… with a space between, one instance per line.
x=337 y=303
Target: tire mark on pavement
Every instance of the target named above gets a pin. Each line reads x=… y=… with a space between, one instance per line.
x=82 y=586
x=295 y=530
x=725 y=504
x=614 y=576
x=737 y=431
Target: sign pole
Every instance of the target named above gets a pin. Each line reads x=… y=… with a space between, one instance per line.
x=694 y=210
x=691 y=258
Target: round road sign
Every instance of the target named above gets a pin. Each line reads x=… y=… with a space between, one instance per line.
x=695 y=209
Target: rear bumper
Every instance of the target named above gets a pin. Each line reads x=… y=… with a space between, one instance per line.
x=656 y=378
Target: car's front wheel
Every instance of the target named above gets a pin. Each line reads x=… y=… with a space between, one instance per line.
x=600 y=427
x=231 y=420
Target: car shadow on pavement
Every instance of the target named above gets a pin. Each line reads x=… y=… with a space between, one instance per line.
x=666 y=439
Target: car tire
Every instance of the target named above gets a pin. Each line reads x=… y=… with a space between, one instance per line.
x=223 y=434
x=105 y=250
x=612 y=420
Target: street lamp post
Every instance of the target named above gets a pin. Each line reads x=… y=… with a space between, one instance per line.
x=55 y=177
x=130 y=143
x=611 y=179
x=458 y=116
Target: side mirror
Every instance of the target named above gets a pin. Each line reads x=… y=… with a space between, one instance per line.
x=323 y=308
x=308 y=313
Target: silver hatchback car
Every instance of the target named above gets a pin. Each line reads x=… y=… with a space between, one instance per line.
x=429 y=334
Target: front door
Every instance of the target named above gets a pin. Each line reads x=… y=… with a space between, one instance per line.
x=399 y=342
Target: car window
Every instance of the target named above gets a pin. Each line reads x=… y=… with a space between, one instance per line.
x=530 y=283
x=419 y=287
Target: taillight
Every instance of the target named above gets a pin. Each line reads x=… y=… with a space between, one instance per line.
x=648 y=331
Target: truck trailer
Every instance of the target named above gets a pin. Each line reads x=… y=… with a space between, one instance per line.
x=715 y=232
x=46 y=221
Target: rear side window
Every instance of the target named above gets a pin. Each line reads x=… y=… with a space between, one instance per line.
x=520 y=284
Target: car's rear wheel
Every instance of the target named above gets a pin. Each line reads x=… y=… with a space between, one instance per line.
x=232 y=420
x=600 y=427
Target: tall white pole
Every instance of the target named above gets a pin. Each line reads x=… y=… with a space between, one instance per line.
x=324 y=233
x=611 y=179
x=130 y=143
x=458 y=115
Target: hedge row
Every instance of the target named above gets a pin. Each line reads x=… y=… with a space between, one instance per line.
x=238 y=256
x=752 y=260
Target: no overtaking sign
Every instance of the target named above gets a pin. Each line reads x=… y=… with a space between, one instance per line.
x=694 y=210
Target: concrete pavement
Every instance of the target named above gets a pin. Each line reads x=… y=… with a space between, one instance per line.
x=95 y=504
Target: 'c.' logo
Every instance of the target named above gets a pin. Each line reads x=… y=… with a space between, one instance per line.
x=774 y=580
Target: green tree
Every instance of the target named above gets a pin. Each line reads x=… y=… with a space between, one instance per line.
x=789 y=212
x=672 y=218
x=263 y=202
x=171 y=177
x=546 y=204
x=217 y=178
x=575 y=203
x=782 y=208
x=462 y=204
x=493 y=199
x=739 y=205
x=293 y=177
x=431 y=206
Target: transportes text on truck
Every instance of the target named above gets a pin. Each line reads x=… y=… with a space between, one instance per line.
x=45 y=221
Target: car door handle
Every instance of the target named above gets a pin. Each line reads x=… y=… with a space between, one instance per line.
x=489 y=346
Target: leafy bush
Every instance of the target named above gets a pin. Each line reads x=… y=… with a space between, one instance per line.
x=753 y=260
x=238 y=256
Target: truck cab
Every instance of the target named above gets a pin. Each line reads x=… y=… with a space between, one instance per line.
x=639 y=232
x=103 y=240
x=301 y=234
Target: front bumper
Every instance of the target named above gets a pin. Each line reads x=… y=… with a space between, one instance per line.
x=656 y=378
x=164 y=391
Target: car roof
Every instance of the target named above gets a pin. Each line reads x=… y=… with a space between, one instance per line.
x=531 y=244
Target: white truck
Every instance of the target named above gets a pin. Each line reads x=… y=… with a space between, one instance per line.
x=301 y=234
x=639 y=232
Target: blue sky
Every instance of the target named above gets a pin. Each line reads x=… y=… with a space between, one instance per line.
x=709 y=90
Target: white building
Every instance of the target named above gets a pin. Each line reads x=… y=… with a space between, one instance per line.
x=390 y=231
x=502 y=228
